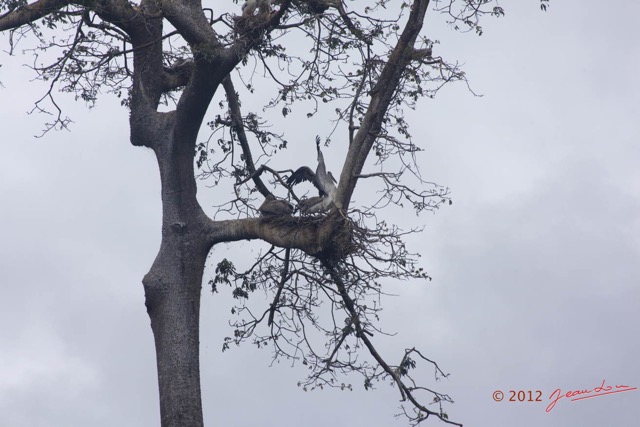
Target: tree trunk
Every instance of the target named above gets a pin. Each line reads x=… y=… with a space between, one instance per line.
x=173 y=285
x=172 y=291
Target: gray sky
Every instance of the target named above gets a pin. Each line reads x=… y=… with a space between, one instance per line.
x=535 y=266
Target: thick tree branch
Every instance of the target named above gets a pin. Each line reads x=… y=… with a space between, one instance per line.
x=197 y=95
x=23 y=15
x=120 y=13
x=381 y=97
x=313 y=235
x=187 y=17
x=148 y=83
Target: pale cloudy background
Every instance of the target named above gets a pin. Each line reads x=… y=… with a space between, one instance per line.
x=535 y=266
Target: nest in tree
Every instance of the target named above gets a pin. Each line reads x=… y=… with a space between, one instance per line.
x=343 y=242
x=251 y=25
x=331 y=236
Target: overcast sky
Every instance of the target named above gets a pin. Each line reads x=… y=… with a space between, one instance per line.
x=536 y=266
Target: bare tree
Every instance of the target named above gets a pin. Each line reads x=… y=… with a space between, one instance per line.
x=166 y=60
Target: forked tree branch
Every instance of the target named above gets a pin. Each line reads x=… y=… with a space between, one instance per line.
x=395 y=373
x=213 y=62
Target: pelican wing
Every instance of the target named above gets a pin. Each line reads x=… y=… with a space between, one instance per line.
x=302 y=174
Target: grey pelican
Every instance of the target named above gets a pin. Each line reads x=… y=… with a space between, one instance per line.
x=322 y=180
x=274 y=207
x=249 y=7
